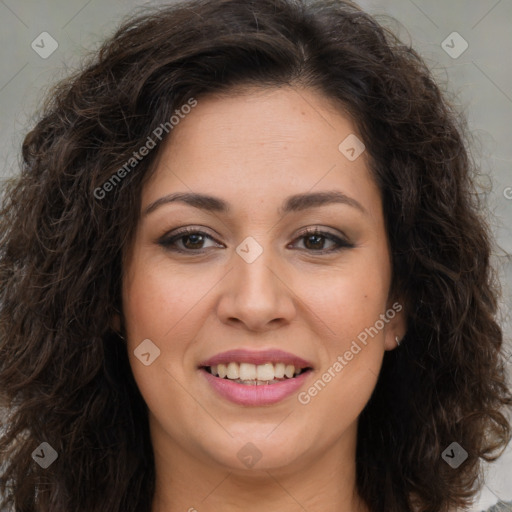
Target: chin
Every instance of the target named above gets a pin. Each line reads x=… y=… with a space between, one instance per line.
x=250 y=453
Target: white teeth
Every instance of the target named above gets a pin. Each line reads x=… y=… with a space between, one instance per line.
x=221 y=370
x=248 y=371
x=265 y=371
x=252 y=373
x=233 y=371
x=279 y=370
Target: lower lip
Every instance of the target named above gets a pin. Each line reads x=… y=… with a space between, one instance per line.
x=245 y=394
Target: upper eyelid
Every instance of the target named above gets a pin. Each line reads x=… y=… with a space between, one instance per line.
x=188 y=231
x=302 y=232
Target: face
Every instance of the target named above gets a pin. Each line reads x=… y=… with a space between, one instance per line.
x=252 y=277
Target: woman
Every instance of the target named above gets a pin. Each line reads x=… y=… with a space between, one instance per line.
x=244 y=268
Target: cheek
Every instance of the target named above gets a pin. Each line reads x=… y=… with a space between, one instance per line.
x=159 y=296
x=356 y=297
x=158 y=304
x=351 y=359
x=350 y=298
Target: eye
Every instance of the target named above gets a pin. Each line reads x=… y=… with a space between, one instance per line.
x=191 y=240
x=314 y=240
x=186 y=240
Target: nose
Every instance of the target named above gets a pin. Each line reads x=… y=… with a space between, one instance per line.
x=257 y=296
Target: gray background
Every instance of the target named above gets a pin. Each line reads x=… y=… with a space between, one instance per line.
x=479 y=79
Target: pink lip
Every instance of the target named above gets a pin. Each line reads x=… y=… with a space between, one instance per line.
x=259 y=357
x=244 y=394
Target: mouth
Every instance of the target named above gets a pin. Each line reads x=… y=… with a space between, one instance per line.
x=256 y=375
x=255 y=378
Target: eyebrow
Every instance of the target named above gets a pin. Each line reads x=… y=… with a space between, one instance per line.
x=295 y=203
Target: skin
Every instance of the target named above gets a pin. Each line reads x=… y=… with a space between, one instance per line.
x=254 y=149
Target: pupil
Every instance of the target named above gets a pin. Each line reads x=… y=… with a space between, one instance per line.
x=188 y=237
x=317 y=237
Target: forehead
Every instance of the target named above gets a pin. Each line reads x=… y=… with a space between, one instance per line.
x=266 y=143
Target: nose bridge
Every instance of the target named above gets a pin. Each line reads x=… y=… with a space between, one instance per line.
x=256 y=295
x=253 y=263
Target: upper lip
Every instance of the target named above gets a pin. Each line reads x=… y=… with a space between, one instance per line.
x=256 y=357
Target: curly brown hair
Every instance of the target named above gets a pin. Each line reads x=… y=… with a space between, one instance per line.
x=65 y=377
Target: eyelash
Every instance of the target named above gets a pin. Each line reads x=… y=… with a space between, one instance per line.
x=170 y=243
